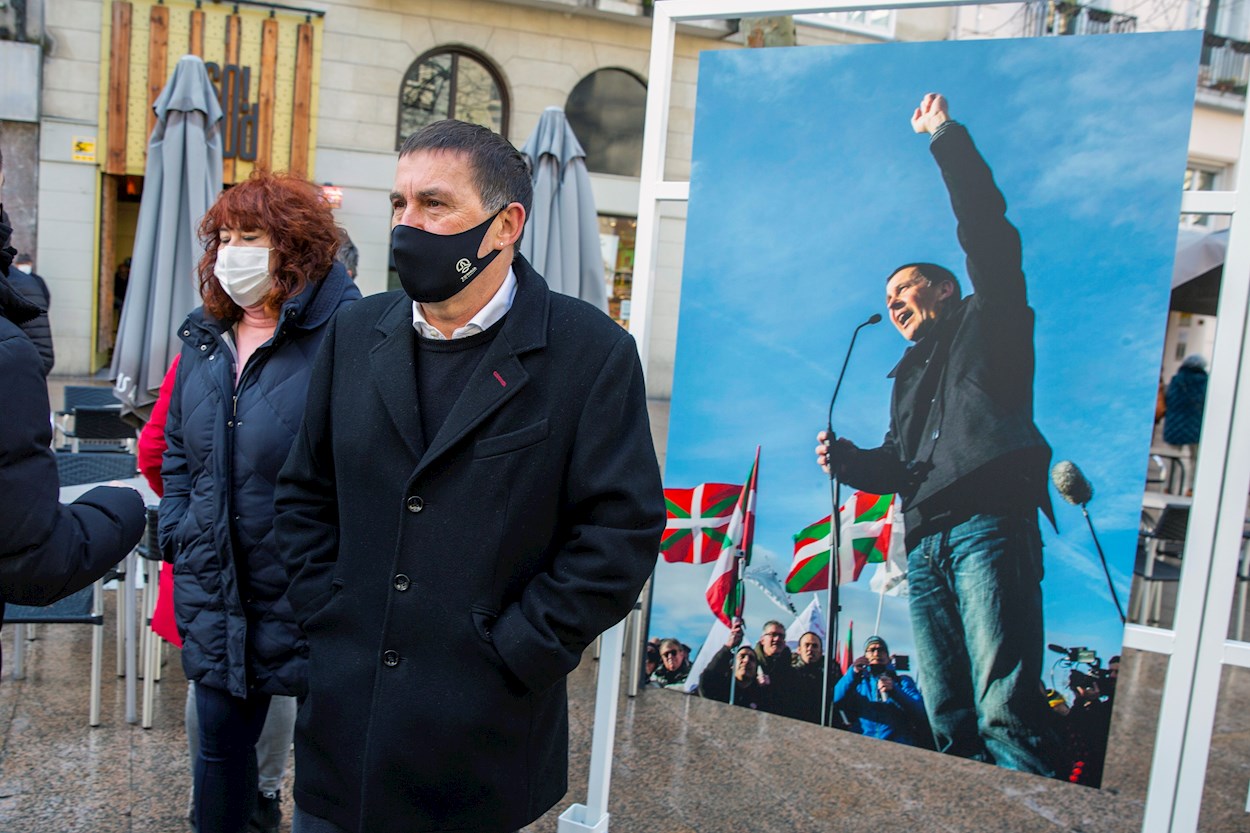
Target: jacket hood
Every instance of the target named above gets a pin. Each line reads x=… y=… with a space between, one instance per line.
x=13 y=305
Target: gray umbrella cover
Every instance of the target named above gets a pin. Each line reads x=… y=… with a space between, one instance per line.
x=561 y=237
x=181 y=181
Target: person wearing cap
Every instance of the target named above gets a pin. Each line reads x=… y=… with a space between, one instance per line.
x=1182 y=420
x=880 y=702
x=748 y=692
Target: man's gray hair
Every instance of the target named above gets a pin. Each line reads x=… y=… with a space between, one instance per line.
x=347 y=253
x=500 y=171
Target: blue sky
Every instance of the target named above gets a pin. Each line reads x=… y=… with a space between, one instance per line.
x=809 y=186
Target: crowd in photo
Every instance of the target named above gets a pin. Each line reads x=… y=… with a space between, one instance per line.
x=873 y=696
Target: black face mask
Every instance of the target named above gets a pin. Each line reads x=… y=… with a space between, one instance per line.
x=434 y=267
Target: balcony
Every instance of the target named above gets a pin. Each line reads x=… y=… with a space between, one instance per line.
x=1225 y=65
x=1048 y=17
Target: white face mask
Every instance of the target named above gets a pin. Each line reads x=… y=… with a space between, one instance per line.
x=243 y=272
x=25 y=267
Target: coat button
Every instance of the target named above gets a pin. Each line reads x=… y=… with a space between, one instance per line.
x=390 y=658
x=415 y=504
x=935 y=434
x=186 y=332
x=203 y=347
x=402 y=582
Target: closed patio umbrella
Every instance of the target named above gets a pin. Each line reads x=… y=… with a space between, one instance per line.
x=181 y=181
x=1197 y=270
x=561 y=237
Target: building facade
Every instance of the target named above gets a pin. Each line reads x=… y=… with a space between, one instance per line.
x=332 y=89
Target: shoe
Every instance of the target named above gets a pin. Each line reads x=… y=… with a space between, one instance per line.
x=268 y=813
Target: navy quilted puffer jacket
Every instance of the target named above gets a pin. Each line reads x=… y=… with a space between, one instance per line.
x=225 y=447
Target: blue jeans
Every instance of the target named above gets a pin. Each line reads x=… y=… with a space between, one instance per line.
x=976 y=613
x=225 y=769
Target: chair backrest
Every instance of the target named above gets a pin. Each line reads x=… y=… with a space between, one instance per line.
x=1171 y=525
x=77 y=396
x=76 y=608
x=74 y=469
x=101 y=422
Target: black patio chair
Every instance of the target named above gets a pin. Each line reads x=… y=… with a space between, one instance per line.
x=1161 y=543
x=79 y=396
x=100 y=428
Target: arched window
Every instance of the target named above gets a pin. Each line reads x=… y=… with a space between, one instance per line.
x=451 y=83
x=606 y=110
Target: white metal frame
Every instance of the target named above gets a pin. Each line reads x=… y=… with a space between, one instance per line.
x=1197 y=648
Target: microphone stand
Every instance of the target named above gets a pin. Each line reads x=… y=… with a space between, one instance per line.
x=835 y=522
x=1115 y=598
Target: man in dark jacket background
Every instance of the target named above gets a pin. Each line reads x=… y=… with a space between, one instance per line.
x=47 y=550
x=472 y=498
x=24 y=279
x=970 y=465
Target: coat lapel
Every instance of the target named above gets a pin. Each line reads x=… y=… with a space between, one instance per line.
x=500 y=375
x=394 y=373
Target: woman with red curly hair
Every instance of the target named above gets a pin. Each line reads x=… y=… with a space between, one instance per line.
x=270 y=286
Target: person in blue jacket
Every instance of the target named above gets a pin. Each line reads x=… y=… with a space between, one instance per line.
x=270 y=286
x=879 y=701
x=47 y=550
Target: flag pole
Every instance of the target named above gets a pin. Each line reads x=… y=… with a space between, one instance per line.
x=739 y=560
x=834 y=574
x=876 y=627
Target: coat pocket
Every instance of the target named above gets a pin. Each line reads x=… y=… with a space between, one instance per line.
x=512 y=441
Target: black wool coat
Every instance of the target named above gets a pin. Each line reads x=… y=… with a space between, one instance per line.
x=447 y=591
x=226 y=443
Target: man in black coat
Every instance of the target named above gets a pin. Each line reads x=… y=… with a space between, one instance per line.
x=47 y=551
x=970 y=465
x=472 y=498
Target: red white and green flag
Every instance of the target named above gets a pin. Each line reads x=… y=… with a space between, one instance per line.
x=868 y=537
x=724 y=589
x=698 y=522
x=845 y=652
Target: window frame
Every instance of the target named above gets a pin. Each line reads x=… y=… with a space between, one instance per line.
x=456 y=52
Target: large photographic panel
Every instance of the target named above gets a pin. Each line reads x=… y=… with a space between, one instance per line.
x=810 y=188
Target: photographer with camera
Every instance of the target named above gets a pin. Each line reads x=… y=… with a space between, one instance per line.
x=1088 y=723
x=879 y=701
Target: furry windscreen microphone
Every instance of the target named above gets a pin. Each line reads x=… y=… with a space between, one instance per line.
x=1071 y=483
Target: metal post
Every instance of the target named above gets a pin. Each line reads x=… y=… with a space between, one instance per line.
x=592 y=817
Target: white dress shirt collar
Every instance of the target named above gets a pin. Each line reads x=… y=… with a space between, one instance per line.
x=496 y=308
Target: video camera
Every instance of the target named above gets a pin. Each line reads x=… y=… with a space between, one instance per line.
x=1084 y=667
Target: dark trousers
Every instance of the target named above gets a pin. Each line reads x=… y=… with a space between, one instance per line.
x=225 y=770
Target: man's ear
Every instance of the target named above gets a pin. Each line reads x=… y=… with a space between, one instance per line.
x=511 y=223
x=945 y=290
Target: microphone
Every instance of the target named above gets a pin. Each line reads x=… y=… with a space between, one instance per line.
x=1072 y=486
x=835 y=522
x=875 y=318
x=1071 y=483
